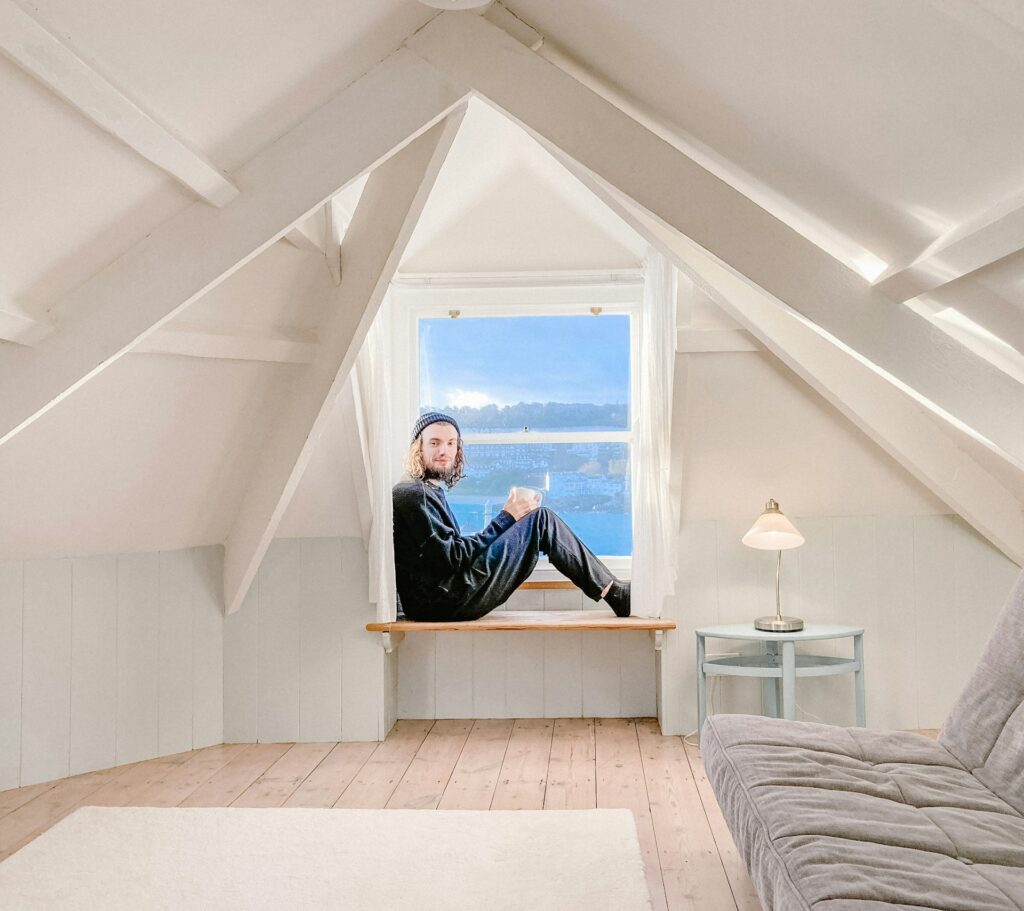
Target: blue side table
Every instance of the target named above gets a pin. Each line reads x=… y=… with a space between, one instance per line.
x=779 y=665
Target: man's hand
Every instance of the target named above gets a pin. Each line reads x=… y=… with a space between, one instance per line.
x=521 y=502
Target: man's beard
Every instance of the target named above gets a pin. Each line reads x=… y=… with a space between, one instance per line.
x=445 y=476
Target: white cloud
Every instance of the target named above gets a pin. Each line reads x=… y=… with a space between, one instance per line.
x=468 y=398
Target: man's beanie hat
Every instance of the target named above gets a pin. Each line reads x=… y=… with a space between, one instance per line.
x=434 y=417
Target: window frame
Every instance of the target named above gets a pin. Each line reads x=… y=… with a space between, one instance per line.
x=417 y=297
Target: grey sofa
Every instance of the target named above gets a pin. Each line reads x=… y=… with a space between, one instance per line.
x=849 y=819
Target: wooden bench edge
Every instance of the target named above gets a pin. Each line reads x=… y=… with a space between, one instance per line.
x=600 y=623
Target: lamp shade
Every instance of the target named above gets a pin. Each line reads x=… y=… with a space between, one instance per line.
x=772 y=531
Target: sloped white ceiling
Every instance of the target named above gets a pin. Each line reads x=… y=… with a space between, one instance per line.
x=233 y=75
x=152 y=454
x=893 y=122
x=72 y=198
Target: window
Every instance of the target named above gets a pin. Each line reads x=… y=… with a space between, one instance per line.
x=542 y=394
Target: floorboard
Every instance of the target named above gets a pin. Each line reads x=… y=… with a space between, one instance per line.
x=528 y=764
x=572 y=774
x=691 y=866
x=327 y=781
x=475 y=778
x=376 y=781
x=621 y=784
x=524 y=771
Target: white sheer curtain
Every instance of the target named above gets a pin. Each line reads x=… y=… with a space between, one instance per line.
x=654 y=513
x=371 y=387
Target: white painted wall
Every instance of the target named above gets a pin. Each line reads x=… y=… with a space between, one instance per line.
x=107 y=660
x=298 y=662
x=881 y=551
x=926 y=589
x=527 y=674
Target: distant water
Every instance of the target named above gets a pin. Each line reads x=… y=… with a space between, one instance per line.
x=607 y=534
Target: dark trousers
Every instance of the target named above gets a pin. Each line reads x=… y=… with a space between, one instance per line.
x=497 y=572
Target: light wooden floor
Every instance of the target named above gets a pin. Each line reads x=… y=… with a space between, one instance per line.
x=531 y=764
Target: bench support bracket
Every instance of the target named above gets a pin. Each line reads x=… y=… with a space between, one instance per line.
x=390 y=641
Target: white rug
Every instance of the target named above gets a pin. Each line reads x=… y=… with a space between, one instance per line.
x=137 y=858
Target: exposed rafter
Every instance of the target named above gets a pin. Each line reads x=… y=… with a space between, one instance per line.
x=967 y=248
x=888 y=414
x=319 y=235
x=187 y=255
x=57 y=66
x=193 y=341
x=384 y=220
x=681 y=194
x=19 y=327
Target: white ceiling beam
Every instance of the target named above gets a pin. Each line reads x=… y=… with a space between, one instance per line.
x=987 y=308
x=889 y=415
x=332 y=234
x=509 y=22
x=187 y=255
x=46 y=57
x=972 y=334
x=19 y=327
x=564 y=115
x=384 y=220
x=968 y=247
x=301 y=237
x=194 y=341
x=318 y=234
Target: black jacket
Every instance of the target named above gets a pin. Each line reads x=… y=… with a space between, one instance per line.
x=431 y=556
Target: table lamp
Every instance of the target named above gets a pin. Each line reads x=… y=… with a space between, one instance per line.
x=773 y=531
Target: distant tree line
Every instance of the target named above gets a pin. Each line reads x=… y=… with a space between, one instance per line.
x=539 y=416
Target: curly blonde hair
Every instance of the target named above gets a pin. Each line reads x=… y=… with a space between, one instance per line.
x=414 y=463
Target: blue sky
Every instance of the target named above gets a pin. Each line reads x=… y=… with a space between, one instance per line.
x=504 y=360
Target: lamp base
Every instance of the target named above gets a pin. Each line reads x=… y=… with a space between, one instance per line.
x=776 y=624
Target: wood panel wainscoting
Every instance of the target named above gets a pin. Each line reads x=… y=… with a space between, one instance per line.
x=526 y=764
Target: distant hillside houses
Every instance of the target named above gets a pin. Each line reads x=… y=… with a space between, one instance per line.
x=540 y=416
x=570 y=484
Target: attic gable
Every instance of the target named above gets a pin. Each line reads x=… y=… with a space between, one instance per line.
x=455 y=57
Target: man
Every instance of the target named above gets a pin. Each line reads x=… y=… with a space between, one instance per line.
x=443 y=575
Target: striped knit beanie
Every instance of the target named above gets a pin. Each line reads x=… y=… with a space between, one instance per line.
x=433 y=417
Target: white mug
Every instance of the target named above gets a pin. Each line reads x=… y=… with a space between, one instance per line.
x=527 y=493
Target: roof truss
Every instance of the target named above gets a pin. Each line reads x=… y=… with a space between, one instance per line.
x=886 y=413
x=194 y=251
x=384 y=220
x=679 y=193
x=752 y=258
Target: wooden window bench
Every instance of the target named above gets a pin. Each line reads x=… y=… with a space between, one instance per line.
x=501 y=620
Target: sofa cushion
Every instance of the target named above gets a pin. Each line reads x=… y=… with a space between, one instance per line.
x=985 y=730
x=848 y=819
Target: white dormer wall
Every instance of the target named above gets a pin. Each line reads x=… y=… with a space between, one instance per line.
x=881 y=551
